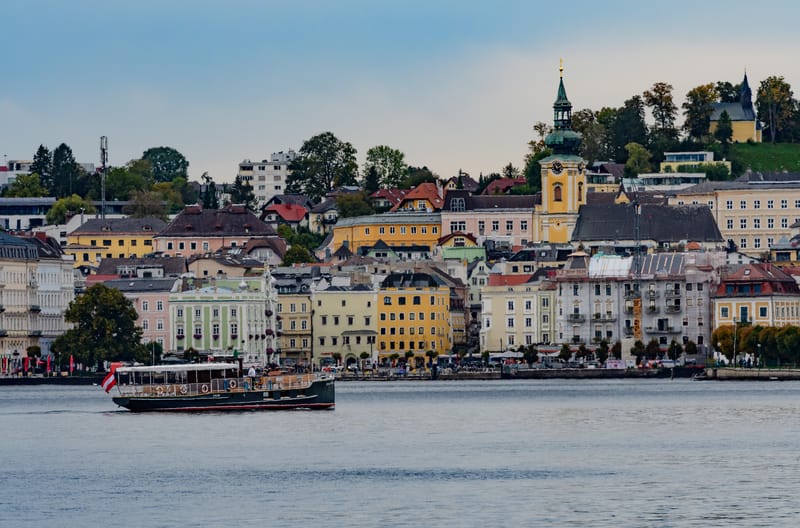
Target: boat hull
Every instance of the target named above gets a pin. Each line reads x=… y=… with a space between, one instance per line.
x=319 y=395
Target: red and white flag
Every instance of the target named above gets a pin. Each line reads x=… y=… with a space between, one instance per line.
x=109 y=381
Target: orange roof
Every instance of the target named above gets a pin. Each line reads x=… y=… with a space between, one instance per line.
x=497 y=279
x=289 y=212
x=424 y=191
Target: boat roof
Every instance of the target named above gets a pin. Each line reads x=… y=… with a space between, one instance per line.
x=186 y=367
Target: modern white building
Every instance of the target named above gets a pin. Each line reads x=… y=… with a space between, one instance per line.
x=267 y=177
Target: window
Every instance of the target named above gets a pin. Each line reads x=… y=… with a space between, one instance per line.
x=770 y=223
x=742 y=204
x=597 y=289
x=575 y=289
x=523 y=225
x=556 y=193
x=756 y=223
x=350 y=320
x=509 y=225
x=179 y=312
x=197 y=313
x=756 y=204
x=391 y=230
x=545 y=302
x=762 y=311
x=387 y=300
x=743 y=223
x=402 y=230
x=457 y=204
x=233 y=312
x=417 y=299
x=324 y=319
x=481 y=226
x=528 y=305
x=770 y=204
x=784 y=223
x=336 y=320
x=159 y=324
x=234 y=329
x=729 y=204
x=382 y=230
x=304 y=325
x=528 y=322
x=784 y=204
x=756 y=243
x=145 y=324
x=106 y=242
x=743 y=243
x=729 y=223
x=367 y=320
x=146 y=306
x=401 y=300
x=322 y=341
x=413 y=230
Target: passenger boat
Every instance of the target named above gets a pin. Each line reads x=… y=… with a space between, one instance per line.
x=219 y=387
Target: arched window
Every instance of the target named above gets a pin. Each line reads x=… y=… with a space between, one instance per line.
x=580 y=192
x=556 y=193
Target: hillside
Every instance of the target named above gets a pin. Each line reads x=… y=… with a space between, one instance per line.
x=766 y=157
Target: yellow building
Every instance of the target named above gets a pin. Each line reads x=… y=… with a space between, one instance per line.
x=395 y=229
x=294 y=326
x=343 y=321
x=759 y=294
x=744 y=121
x=690 y=161
x=101 y=238
x=413 y=316
x=563 y=177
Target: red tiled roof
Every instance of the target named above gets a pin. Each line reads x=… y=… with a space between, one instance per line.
x=424 y=191
x=497 y=279
x=392 y=195
x=289 y=212
x=502 y=185
x=468 y=236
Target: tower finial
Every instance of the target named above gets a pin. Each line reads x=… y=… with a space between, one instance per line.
x=561 y=68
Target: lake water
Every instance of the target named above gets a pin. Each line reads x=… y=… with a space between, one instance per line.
x=413 y=454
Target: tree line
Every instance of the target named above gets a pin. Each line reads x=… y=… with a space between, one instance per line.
x=774 y=346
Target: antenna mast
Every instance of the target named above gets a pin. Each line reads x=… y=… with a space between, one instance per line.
x=103 y=171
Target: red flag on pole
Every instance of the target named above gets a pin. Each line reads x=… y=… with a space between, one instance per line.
x=48 y=364
x=109 y=381
x=71 y=363
x=25 y=364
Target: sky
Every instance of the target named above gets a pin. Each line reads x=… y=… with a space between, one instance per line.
x=454 y=84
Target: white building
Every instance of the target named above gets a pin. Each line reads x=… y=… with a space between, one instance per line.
x=267 y=177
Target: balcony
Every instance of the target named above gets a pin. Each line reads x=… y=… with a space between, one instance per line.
x=179 y=336
x=2 y=308
x=672 y=309
x=576 y=318
x=631 y=294
x=651 y=294
x=662 y=330
x=629 y=310
x=652 y=309
x=35 y=333
x=35 y=308
x=628 y=331
x=671 y=294
x=604 y=318
x=3 y=333
x=198 y=336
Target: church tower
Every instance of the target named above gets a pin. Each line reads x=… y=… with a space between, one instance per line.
x=563 y=175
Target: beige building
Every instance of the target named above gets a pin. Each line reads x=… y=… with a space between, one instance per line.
x=294 y=327
x=344 y=319
x=753 y=212
x=517 y=310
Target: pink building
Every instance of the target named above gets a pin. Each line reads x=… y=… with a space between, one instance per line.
x=507 y=220
x=150 y=298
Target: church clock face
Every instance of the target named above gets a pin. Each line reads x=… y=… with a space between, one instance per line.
x=557 y=167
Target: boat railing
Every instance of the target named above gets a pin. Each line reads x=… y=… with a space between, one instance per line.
x=222 y=385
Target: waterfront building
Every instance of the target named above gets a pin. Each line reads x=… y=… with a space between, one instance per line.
x=414 y=316
x=516 y=310
x=36 y=288
x=344 y=322
x=760 y=294
x=198 y=231
x=100 y=238
x=150 y=299
x=661 y=296
x=226 y=317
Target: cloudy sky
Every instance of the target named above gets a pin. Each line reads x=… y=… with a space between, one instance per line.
x=453 y=84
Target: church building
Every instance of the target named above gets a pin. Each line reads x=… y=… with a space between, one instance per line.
x=744 y=121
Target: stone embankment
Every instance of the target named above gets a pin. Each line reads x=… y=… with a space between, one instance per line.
x=752 y=374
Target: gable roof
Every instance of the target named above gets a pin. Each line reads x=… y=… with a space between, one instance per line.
x=498 y=279
x=468 y=236
x=424 y=191
x=503 y=185
x=661 y=223
x=288 y=212
x=170 y=265
x=233 y=220
x=120 y=226
x=488 y=202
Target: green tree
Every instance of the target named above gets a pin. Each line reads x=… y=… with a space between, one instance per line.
x=241 y=193
x=170 y=195
x=602 y=351
x=417 y=175
x=296 y=255
x=354 y=204
x=616 y=350
x=638 y=351
x=628 y=126
x=372 y=180
x=565 y=353
x=775 y=105
x=690 y=348
x=653 y=350
x=209 y=194
x=25 y=186
x=167 y=163
x=65 y=208
x=390 y=164
x=727 y=92
x=144 y=204
x=675 y=350
x=533 y=172
x=122 y=182
x=697 y=110
x=530 y=355
x=659 y=99
x=323 y=164
x=104 y=328
x=66 y=172
x=509 y=171
x=722 y=339
x=43 y=166
x=724 y=131
x=594 y=143
x=788 y=344
x=638 y=160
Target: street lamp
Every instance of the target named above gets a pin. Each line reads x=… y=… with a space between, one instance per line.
x=734 y=342
x=758 y=357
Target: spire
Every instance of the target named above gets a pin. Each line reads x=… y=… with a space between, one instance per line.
x=745 y=95
x=563 y=139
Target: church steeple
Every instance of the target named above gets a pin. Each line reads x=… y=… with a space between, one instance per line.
x=563 y=140
x=745 y=95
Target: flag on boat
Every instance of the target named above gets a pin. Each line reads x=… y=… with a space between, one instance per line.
x=109 y=381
